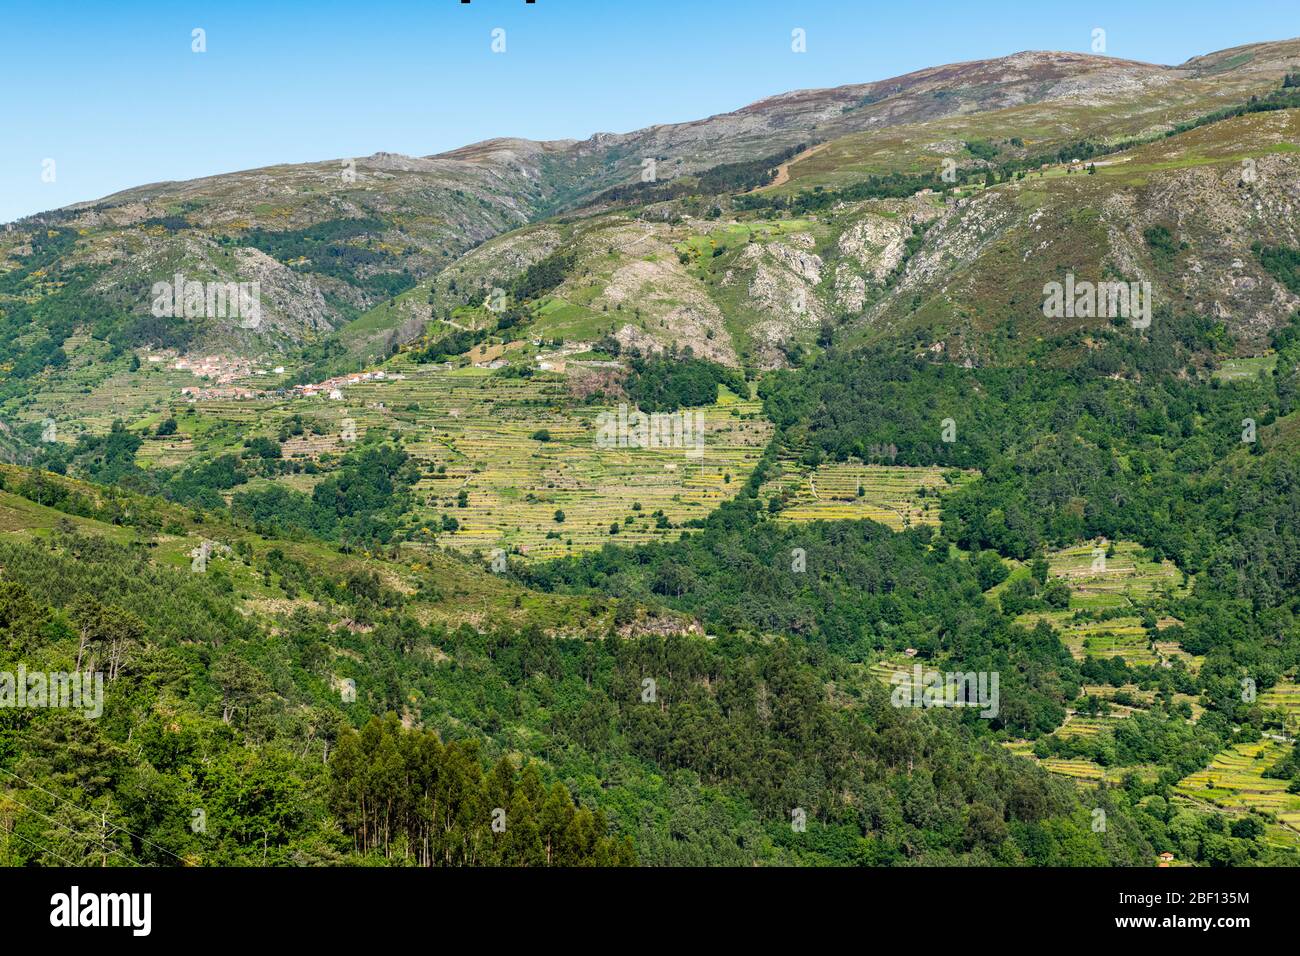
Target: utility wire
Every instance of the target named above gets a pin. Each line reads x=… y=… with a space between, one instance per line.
x=93 y=814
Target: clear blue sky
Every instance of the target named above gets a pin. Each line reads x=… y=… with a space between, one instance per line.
x=113 y=93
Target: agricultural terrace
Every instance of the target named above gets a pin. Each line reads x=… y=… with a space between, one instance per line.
x=898 y=496
x=1234 y=782
x=1124 y=579
x=1244 y=369
x=1284 y=697
x=512 y=461
x=536 y=484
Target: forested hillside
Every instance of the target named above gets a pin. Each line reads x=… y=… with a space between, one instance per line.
x=615 y=502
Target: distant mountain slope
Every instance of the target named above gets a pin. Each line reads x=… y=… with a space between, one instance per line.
x=333 y=245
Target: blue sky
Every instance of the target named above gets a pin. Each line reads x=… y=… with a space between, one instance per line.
x=114 y=95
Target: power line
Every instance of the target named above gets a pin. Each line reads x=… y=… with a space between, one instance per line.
x=92 y=814
x=98 y=844
x=43 y=849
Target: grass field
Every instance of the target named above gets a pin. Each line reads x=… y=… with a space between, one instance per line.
x=703 y=245
x=1242 y=369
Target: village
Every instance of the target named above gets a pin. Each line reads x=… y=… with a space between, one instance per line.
x=224 y=372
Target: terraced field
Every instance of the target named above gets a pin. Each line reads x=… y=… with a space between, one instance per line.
x=1140 y=698
x=1087 y=772
x=96 y=392
x=1234 y=782
x=1284 y=696
x=1122 y=637
x=515 y=484
x=95 y=395
x=898 y=496
x=1122 y=580
x=1125 y=579
x=1081 y=771
x=1084 y=771
x=520 y=449
x=885 y=669
x=1078 y=725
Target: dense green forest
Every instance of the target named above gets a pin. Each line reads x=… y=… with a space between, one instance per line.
x=667 y=383
x=209 y=712
x=332 y=248
x=210 y=718
x=1065 y=456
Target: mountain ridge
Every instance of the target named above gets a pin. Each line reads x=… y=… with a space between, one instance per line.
x=760 y=105
x=349 y=249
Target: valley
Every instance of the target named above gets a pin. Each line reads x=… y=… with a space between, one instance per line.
x=626 y=485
